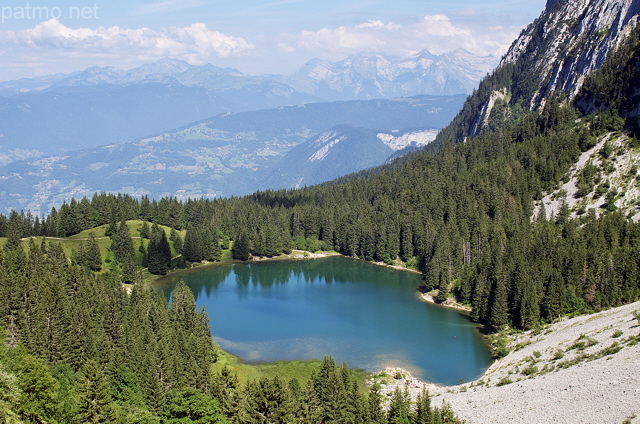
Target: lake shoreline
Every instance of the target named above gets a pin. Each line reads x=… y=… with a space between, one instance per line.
x=581 y=369
x=449 y=303
x=343 y=267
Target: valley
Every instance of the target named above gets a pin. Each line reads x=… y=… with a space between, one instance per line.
x=233 y=154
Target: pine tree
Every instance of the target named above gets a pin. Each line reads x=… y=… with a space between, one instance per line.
x=95 y=405
x=38 y=390
x=240 y=250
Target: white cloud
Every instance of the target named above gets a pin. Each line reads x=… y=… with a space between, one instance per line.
x=53 y=40
x=439 y=26
x=436 y=33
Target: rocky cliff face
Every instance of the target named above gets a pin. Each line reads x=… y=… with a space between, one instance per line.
x=570 y=39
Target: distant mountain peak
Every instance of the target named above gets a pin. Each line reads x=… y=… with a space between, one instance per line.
x=160 y=68
x=374 y=75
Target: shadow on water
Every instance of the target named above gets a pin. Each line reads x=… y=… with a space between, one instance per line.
x=363 y=314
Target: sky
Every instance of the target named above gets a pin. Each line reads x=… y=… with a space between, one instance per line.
x=42 y=37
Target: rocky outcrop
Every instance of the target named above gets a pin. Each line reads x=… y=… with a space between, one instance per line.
x=557 y=52
x=483 y=117
x=569 y=40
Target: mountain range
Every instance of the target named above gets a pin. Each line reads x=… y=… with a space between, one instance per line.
x=104 y=105
x=234 y=153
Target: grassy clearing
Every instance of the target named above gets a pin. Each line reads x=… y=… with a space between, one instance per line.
x=71 y=244
x=286 y=370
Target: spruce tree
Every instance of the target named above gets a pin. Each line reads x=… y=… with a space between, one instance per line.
x=190 y=405
x=399 y=407
x=310 y=411
x=267 y=401
x=121 y=243
x=226 y=389
x=175 y=238
x=241 y=249
x=422 y=413
x=38 y=390
x=192 y=247
x=374 y=405
x=159 y=252
x=499 y=307
x=93 y=256
x=144 y=230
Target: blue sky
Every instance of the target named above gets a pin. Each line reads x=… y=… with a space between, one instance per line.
x=39 y=37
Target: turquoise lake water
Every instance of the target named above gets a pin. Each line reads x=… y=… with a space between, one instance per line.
x=365 y=315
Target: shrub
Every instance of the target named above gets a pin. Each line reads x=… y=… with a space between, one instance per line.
x=610 y=350
x=504 y=381
x=530 y=370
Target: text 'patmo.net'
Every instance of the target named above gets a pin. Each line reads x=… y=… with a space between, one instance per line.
x=45 y=13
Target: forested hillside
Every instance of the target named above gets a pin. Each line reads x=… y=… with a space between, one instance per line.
x=81 y=348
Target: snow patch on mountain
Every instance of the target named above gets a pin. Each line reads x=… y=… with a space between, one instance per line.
x=417 y=138
x=369 y=76
x=327 y=141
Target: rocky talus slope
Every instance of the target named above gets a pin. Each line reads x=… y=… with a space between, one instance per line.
x=578 y=370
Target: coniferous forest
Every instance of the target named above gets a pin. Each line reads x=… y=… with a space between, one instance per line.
x=80 y=348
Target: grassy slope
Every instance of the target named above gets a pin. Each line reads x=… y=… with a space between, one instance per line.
x=72 y=244
x=286 y=370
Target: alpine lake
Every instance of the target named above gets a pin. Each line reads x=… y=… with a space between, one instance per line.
x=363 y=314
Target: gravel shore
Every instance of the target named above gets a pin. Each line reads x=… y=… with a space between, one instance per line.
x=579 y=370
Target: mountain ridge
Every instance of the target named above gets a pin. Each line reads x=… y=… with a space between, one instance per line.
x=105 y=105
x=229 y=155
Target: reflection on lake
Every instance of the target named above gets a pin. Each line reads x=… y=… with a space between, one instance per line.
x=362 y=314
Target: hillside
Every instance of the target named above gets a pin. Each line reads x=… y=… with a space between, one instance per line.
x=578 y=370
x=228 y=155
x=604 y=179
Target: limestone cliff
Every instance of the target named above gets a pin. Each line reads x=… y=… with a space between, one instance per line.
x=570 y=39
